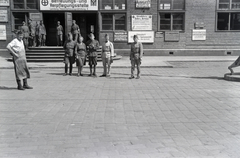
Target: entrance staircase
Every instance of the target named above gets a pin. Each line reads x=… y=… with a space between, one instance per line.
x=51 y=54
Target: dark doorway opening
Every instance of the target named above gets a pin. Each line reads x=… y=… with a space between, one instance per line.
x=50 y=21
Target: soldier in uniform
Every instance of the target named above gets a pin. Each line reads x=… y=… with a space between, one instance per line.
x=75 y=30
x=25 y=32
x=31 y=34
x=59 y=34
x=42 y=34
x=136 y=56
x=107 y=56
x=92 y=46
x=37 y=34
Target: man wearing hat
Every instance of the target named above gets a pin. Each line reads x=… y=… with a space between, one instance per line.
x=75 y=30
x=92 y=46
x=136 y=56
x=31 y=34
x=25 y=32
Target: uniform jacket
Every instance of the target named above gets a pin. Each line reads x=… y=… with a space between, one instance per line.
x=108 y=47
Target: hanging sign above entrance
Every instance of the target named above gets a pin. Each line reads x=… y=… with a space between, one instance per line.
x=68 y=5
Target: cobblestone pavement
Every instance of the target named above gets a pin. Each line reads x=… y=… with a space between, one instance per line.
x=188 y=111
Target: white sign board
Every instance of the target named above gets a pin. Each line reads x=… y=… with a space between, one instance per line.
x=199 y=35
x=3 y=16
x=144 y=36
x=141 y=22
x=69 y=5
x=4 y=2
x=143 y=3
x=3 y=35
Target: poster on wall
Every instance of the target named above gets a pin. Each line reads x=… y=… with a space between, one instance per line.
x=120 y=37
x=3 y=16
x=144 y=36
x=3 y=35
x=199 y=35
x=143 y=3
x=4 y=2
x=141 y=22
x=69 y=5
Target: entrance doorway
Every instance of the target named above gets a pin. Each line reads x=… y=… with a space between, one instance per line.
x=86 y=21
x=50 y=21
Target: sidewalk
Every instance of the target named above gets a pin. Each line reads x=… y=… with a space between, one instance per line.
x=148 y=61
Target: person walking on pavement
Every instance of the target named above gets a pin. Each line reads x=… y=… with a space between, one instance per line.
x=92 y=46
x=37 y=34
x=75 y=30
x=42 y=34
x=59 y=34
x=80 y=55
x=31 y=34
x=107 y=56
x=17 y=50
x=25 y=32
x=69 y=58
x=136 y=56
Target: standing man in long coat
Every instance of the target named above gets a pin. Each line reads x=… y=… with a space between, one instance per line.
x=75 y=30
x=25 y=32
x=31 y=34
x=42 y=33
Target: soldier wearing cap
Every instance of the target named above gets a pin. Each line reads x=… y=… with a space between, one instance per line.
x=75 y=30
x=31 y=34
x=136 y=56
x=107 y=56
x=92 y=46
x=25 y=32
x=42 y=34
x=59 y=34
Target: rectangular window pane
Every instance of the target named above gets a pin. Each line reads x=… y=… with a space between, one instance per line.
x=222 y=21
x=18 y=19
x=165 y=21
x=120 y=22
x=31 y=4
x=107 y=4
x=224 y=4
x=178 y=4
x=107 y=22
x=235 y=21
x=18 y=4
x=178 y=21
x=235 y=4
x=165 y=4
x=120 y=4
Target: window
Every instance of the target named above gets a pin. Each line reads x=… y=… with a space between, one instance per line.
x=171 y=15
x=113 y=4
x=171 y=4
x=113 y=21
x=24 y=4
x=229 y=19
x=18 y=19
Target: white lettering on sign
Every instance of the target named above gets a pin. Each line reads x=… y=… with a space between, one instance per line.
x=144 y=36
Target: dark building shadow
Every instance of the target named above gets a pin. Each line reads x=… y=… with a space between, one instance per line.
x=7 y=88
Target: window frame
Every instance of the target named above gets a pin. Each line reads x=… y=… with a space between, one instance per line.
x=25 y=6
x=229 y=11
x=113 y=22
x=171 y=12
x=113 y=4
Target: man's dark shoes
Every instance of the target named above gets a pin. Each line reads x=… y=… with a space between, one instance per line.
x=102 y=76
x=20 y=88
x=27 y=87
x=131 y=77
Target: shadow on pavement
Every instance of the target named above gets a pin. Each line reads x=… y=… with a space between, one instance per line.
x=208 y=77
x=7 y=88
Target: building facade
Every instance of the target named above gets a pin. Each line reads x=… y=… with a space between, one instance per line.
x=178 y=27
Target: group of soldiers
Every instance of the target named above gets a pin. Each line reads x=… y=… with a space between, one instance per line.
x=33 y=35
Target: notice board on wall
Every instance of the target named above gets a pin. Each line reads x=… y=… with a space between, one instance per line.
x=199 y=35
x=120 y=37
x=3 y=35
x=144 y=36
x=141 y=22
x=171 y=36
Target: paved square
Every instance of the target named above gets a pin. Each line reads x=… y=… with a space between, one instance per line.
x=188 y=111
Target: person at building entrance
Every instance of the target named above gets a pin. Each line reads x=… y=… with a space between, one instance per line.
x=80 y=55
x=75 y=30
x=107 y=56
x=31 y=39
x=59 y=34
x=17 y=50
x=136 y=56
x=69 y=58
x=25 y=32
x=37 y=38
x=42 y=34
x=92 y=46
